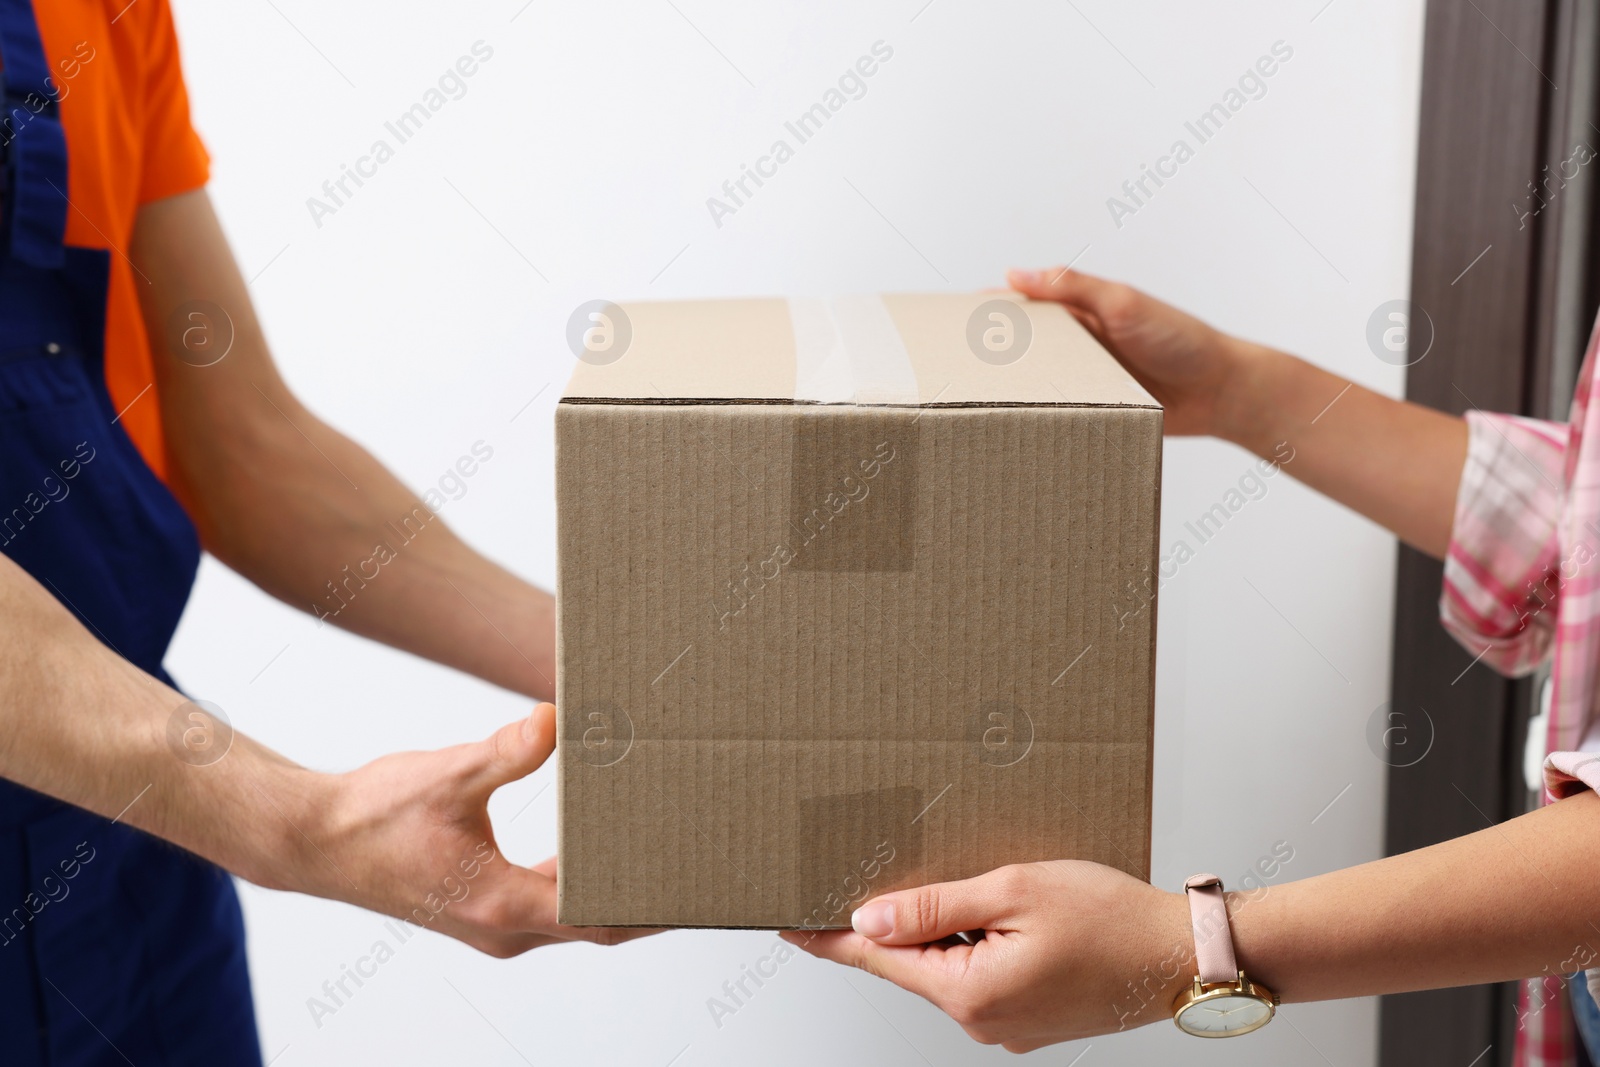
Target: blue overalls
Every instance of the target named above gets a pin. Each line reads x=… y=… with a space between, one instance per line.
x=114 y=946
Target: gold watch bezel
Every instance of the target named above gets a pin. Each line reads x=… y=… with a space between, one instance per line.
x=1201 y=992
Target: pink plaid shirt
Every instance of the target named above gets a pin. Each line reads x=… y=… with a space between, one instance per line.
x=1522 y=588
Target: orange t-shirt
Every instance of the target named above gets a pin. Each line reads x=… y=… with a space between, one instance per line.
x=129 y=141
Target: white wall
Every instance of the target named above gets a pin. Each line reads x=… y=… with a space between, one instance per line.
x=592 y=139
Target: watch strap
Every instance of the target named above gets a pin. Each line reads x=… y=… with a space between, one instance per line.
x=1213 y=937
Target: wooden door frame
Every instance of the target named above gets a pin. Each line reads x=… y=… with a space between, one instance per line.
x=1507 y=86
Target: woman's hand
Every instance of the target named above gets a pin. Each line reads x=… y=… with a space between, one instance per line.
x=1185 y=364
x=409 y=835
x=1396 y=463
x=1070 y=949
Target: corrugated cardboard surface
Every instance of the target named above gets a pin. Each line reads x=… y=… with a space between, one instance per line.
x=811 y=653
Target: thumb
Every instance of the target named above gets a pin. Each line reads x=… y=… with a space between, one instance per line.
x=516 y=750
x=931 y=913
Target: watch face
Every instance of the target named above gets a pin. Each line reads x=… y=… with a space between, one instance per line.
x=1225 y=1015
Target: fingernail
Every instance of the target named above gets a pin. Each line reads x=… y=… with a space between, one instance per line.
x=1021 y=278
x=527 y=729
x=874 y=920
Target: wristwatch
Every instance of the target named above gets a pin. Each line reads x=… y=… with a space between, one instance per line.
x=1222 y=1002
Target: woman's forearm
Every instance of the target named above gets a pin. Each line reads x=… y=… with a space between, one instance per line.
x=1512 y=901
x=1397 y=463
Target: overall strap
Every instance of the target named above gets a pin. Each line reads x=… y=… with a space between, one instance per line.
x=33 y=146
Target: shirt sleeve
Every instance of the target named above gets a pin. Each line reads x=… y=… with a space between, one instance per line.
x=1500 y=588
x=1567 y=773
x=175 y=160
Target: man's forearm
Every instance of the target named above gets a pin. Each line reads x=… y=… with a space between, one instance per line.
x=298 y=508
x=1395 y=462
x=1512 y=901
x=325 y=527
x=83 y=725
x=408 y=834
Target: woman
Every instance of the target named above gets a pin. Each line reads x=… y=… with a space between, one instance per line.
x=1512 y=505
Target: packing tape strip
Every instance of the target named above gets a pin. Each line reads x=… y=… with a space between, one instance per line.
x=848 y=350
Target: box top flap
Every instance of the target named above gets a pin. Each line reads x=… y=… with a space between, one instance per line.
x=965 y=349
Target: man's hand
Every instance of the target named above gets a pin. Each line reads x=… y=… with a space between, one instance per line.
x=1070 y=949
x=409 y=835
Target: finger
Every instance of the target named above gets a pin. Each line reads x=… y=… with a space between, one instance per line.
x=613 y=935
x=1019 y=1047
x=503 y=947
x=1087 y=320
x=515 y=750
x=547 y=868
x=920 y=916
x=1074 y=288
x=529 y=905
x=921 y=969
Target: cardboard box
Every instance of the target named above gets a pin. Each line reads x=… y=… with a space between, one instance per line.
x=854 y=595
